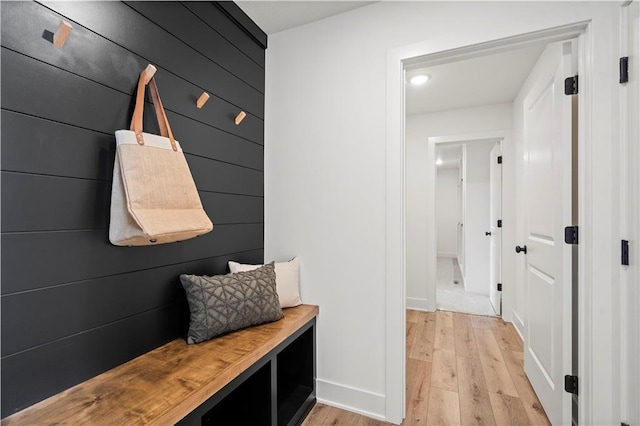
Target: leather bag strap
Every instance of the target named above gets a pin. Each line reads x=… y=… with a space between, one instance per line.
x=161 y=115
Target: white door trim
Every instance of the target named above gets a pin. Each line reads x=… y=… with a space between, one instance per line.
x=629 y=213
x=395 y=256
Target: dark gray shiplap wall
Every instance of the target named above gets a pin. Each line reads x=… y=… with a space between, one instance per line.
x=73 y=305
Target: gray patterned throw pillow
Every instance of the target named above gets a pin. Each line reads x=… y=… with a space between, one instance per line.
x=223 y=303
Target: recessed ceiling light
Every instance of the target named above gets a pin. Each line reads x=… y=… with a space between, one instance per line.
x=419 y=79
x=439 y=162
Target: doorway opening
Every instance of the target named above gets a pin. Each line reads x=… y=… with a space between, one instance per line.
x=467 y=201
x=502 y=133
x=467 y=102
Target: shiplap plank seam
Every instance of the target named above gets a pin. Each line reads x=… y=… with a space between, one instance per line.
x=93 y=329
x=146 y=59
x=186 y=151
x=130 y=272
x=110 y=259
x=211 y=13
x=51 y=231
x=222 y=35
x=109 y=180
x=178 y=37
x=147 y=104
x=211 y=92
x=143 y=59
x=57 y=231
x=61 y=370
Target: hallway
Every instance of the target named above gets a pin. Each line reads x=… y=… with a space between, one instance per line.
x=461 y=369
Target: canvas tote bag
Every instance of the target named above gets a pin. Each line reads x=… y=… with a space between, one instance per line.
x=154 y=199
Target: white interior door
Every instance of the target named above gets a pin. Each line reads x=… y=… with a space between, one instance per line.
x=547 y=202
x=495 y=236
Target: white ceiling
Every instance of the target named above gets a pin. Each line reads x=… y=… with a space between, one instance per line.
x=485 y=80
x=276 y=16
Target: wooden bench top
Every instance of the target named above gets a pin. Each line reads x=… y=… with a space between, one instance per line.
x=166 y=384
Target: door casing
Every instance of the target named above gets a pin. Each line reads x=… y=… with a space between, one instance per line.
x=488 y=136
x=398 y=60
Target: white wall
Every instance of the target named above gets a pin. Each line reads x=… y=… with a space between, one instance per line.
x=326 y=146
x=476 y=277
x=418 y=210
x=447 y=211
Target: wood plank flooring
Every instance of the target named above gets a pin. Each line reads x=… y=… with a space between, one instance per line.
x=461 y=370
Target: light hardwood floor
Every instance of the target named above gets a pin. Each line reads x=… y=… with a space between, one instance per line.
x=461 y=370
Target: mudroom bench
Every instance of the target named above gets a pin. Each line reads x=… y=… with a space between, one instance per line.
x=263 y=375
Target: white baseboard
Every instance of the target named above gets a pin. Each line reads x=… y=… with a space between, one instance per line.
x=359 y=401
x=448 y=254
x=518 y=324
x=418 y=304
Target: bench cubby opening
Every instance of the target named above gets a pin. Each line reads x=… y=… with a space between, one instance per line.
x=248 y=404
x=296 y=376
x=277 y=390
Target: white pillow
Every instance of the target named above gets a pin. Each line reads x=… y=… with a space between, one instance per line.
x=287 y=284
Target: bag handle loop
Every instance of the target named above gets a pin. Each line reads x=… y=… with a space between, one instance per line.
x=161 y=115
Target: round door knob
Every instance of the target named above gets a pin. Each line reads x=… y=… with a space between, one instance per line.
x=522 y=249
x=487 y=233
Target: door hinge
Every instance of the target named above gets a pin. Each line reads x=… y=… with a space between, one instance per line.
x=499 y=225
x=571 y=384
x=571 y=235
x=624 y=69
x=571 y=85
x=499 y=159
x=499 y=286
x=624 y=249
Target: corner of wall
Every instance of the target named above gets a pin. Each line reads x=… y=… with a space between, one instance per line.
x=418 y=304
x=359 y=401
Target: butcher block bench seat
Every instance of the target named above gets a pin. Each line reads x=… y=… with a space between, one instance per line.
x=230 y=378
